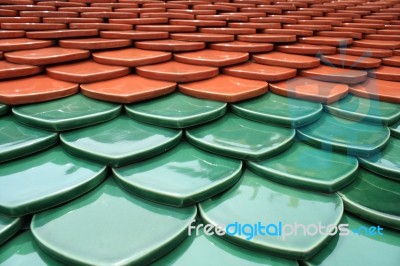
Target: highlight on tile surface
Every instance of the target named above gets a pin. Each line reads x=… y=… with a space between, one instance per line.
x=242 y=132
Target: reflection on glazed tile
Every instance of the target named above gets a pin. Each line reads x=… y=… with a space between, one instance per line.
x=387 y=162
x=31 y=90
x=220 y=252
x=327 y=173
x=287 y=60
x=67 y=113
x=351 y=61
x=94 y=43
x=176 y=110
x=86 y=72
x=311 y=90
x=23 y=250
x=306 y=49
x=170 y=45
x=133 y=231
x=44 y=180
x=120 y=141
x=395 y=129
x=237 y=137
x=177 y=72
x=127 y=89
x=255 y=199
x=8 y=45
x=238 y=46
x=359 y=197
x=350 y=137
x=17 y=140
x=385 y=73
x=275 y=109
x=214 y=58
x=225 y=88
x=8 y=227
x=180 y=177
x=131 y=57
x=256 y=71
x=11 y=70
x=46 y=56
x=365 y=110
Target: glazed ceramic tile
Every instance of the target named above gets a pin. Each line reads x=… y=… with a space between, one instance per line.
x=286 y=60
x=275 y=109
x=65 y=114
x=330 y=41
x=132 y=231
x=351 y=61
x=46 y=56
x=359 y=197
x=170 y=45
x=4 y=109
x=202 y=37
x=213 y=58
x=31 y=90
x=225 y=88
x=218 y=251
x=176 y=110
x=127 y=89
x=256 y=71
x=345 y=136
x=131 y=57
x=245 y=203
x=86 y=72
x=58 y=34
x=8 y=45
x=134 y=35
x=385 y=73
x=45 y=180
x=327 y=173
x=387 y=162
x=23 y=250
x=176 y=72
x=5 y=34
x=350 y=249
x=237 y=137
x=120 y=141
x=11 y=70
x=180 y=177
x=94 y=43
x=238 y=46
x=232 y=31
x=383 y=90
x=365 y=52
x=269 y=38
x=377 y=44
x=392 y=61
x=309 y=89
x=17 y=140
x=395 y=129
x=306 y=49
x=335 y=74
x=8 y=227
x=166 y=28
x=365 y=110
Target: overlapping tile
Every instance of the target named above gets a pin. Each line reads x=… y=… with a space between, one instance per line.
x=180 y=177
x=120 y=141
x=141 y=37
x=238 y=206
x=44 y=180
x=147 y=230
x=176 y=110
